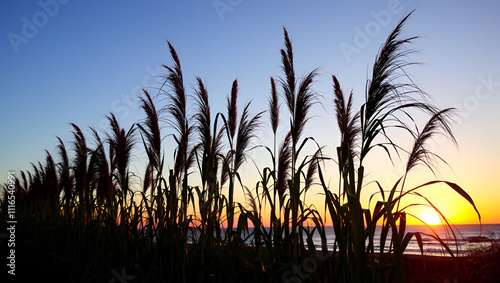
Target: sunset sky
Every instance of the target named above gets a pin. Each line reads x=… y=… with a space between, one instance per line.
x=75 y=61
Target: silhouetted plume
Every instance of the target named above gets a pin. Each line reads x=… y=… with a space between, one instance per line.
x=43 y=185
x=246 y=132
x=238 y=153
x=232 y=109
x=36 y=182
x=384 y=95
x=79 y=161
x=313 y=168
x=305 y=100
x=210 y=146
x=65 y=181
x=274 y=107
x=151 y=133
x=121 y=146
x=287 y=65
x=26 y=184
x=288 y=68
x=177 y=109
x=19 y=193
x=151 y=129
x=202 y=117
x=231 y=124
x=101 y=177
x=382 y=90
x=49 y=179
x=251 y=200
x=299 y=102
x=347 y=123
x=437 y=124
x=148 y=177
x=284 y=166
x=174 y=76
x=224 y=176
x=24 y=192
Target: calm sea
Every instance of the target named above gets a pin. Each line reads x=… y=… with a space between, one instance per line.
x=467 y=236
x=460 y=241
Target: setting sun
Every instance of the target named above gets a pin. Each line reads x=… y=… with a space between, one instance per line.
x=431 y=218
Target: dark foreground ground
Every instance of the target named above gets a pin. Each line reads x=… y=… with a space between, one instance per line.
x=480 y=266
x=417 y=269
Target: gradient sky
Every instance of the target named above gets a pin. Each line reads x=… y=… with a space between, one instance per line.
x=75 y=61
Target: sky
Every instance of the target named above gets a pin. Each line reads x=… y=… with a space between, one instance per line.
x=76 y=61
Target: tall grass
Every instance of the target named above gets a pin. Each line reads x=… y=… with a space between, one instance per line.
x=386 y=100
x=89 y=214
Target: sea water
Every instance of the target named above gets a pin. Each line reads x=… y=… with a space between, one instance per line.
x=460 y=239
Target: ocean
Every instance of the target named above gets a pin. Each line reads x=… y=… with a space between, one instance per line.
x=465 y=237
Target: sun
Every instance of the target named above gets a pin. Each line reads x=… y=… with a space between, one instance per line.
x=431 y=218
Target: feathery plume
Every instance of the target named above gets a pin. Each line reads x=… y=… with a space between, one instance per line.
x=232 y=109
x=440 y=123
x=274 y=107
x=80 y=161
x=121 y=146
x=347 y=123
x=384 y=95
x=284 y=166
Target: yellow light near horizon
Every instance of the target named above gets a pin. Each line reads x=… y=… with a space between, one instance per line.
x=431 y=218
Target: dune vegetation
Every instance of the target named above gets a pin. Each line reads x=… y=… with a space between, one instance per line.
x=84 y=216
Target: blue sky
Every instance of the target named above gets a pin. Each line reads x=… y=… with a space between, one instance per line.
x=75 y=61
